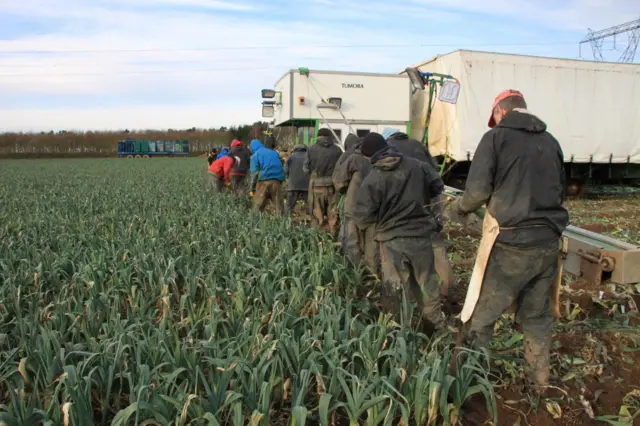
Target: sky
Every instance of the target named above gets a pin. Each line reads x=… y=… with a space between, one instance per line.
x=142 y=64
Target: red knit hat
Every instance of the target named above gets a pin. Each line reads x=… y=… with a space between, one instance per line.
x=235 y=143
x=501 y=97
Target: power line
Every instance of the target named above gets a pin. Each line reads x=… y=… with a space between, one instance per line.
x=235 y=48
x=596 y=38
x=176 y=61
x=172 y=71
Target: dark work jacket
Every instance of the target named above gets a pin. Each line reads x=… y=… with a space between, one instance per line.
x=411 y=148
x=321 y=160
x=518 y=171
x=396 y=197
x=416 y=149
x=243 y=161
x=349 y=174
x=297 y=179
x=349 y=146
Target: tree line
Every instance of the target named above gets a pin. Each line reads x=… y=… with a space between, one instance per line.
x=104 y=143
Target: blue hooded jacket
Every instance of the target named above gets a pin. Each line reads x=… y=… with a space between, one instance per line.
x=224 y=152
x=266 y=162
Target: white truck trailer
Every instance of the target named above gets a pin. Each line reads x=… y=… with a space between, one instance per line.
x=592 y=108
x=343 y=101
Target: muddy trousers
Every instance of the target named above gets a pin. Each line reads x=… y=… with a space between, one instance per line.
x=268 y=191
x=216 y=184
x=408 y=267
x=352 y=241
x=523 y=276
x=371 y=250
x=239 y=184
x=292 y=198
x=325 y=209
x=359 y=246
x=442 y=264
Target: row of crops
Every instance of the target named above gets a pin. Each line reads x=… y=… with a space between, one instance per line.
x=130 y=297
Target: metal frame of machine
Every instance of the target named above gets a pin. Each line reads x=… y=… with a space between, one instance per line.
x=593 y=257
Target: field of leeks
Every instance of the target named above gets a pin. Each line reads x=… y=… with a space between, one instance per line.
x=131 y=295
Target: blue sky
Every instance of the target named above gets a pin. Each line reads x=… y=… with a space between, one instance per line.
x=124 y=63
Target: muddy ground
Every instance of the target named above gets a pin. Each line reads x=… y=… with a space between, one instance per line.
x=613 y=214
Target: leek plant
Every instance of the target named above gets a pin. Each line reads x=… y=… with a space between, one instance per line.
x=130 y=295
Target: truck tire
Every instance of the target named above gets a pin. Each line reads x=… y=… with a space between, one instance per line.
x=145 y=156
x=129 y=156
x=138 y=156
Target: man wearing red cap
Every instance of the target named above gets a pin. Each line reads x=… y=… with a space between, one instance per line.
x=517 y=171
x=240 y=168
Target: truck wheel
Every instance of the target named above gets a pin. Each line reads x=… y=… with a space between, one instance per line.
x=138 y=156
x=145 y=156
x=129 y=156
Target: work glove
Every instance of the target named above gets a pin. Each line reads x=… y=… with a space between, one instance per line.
x=227 y=184
x=250 y=194
x=453 y=213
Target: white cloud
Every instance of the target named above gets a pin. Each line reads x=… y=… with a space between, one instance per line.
x=564 y=15
x=210 y=4
x=145 y=117
x=226 y=74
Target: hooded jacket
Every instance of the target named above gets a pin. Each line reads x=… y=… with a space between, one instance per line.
x=243 y=160
x=349 y=174
x=265 y=162
x=396 y=197
x=224 y=152
x=349 y=146
x=321 y=160
x=221 y=168
x=411 y=148
x=518 y=171
x=298 y=180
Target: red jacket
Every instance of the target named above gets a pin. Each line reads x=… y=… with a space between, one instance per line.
x=222 y=168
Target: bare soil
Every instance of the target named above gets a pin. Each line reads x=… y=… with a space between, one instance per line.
x=616 y=216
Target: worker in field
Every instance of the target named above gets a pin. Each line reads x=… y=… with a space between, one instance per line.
x=211 y=156
x=517 y=171
x=394 y=198
x=241 y=166
x=416 y=149
x=319 y=164
x=297 y=179
x=267 y=175
x=349 y=147
x=224 y=151
x=408 y=147
x=220 y=173
x=351 y=169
